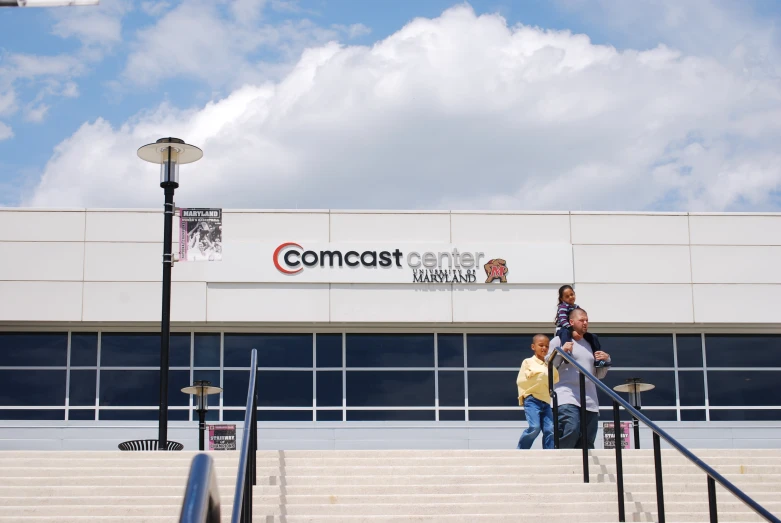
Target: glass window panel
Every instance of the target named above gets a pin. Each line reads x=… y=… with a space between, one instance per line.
x=733 y=350
x=43 y=349
x=607 y=414
x=639 y=350
x=285 y=388
x=743 y=387
x=84 y=349
x=450 y=350
x=451 y=415
x=235 y=384
x=178 y=350
x=130 y=415
x=662 y=395
x=81 y=415
x=82 y=388
x=329 y=388
x=390 y=350
x=206 y=350
x=284 y=415
x=497 y=350
x=492 y=388
x=329 y=415
x=653 y=415
x=129 y=350
x=390 y=388
x=136 y=388
x=391 y=415
x=692 y=415
x=329 y=350
x=496 y=415
x=692 y=388
x=25 y=415
x=213 y=414
x=32 y=388
x=274 y=350
x=745 y=415
x=451 y=388
x=689 y=350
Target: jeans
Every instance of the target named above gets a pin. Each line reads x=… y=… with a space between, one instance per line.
x=569 y=427
x=539 y=416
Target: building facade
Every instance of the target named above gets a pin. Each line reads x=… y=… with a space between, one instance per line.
x=382 y=329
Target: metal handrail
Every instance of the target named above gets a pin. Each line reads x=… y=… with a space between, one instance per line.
x=713 y=476
x=201 y=498
x=246 y=476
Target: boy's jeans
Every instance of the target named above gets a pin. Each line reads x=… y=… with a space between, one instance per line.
x=539 y=415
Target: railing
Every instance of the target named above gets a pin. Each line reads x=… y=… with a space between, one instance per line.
x=712 y=475
x=247 y=474
x=201 y=498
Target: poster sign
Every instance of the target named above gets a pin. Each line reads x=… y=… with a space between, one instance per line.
x=609 y=436
x=200 y=235
x=222 y=437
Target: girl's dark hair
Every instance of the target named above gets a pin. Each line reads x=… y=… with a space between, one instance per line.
x=561 y=292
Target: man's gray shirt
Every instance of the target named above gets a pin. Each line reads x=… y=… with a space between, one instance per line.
x=568 y=387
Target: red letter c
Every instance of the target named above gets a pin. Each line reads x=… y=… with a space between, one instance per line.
x=276 y=258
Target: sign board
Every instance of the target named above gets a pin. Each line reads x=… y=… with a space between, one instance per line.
x=609 y=437
x=200 y=235
x=222 y=437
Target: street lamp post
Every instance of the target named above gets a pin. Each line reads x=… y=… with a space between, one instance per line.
x=634 y=386
x=201 y=389
x=169 y=153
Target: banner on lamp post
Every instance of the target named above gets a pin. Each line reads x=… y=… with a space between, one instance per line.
x=609 y=434
x=200 y=235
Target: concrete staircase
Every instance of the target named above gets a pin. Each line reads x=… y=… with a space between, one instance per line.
x=449 y=486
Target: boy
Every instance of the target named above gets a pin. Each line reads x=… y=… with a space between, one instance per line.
x=534 y=395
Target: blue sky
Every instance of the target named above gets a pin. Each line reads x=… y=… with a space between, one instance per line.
x=81 y=88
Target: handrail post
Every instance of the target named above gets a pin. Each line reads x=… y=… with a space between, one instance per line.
x=659 y=484
x=714 y=512
x=555 y=401
x=619 y=461
x=583 y=437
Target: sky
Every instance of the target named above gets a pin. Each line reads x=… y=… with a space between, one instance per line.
x=516 y=105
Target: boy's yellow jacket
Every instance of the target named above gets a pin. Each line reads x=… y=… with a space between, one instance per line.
x=533 y=380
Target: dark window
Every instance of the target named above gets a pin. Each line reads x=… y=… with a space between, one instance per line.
x=692 y=387
x=274 y=350
x=18 y=349
x=743 y=387
x=745 y=415
x=285 y=388
x=329 y=415
x=653 y=415
x=451 y=415
x=689 y=350
x=734 y=350
x=235 y=384
x=81 y=415
x=329 y=388
x=390 y=388
x=206 y=350
x=492 y=389
x=284 y=415
x=213 y=377
x=137 y=388
x=495 y=415
x=82 y=385
x=450 y=350
x=129 y=350
x=662 y=395
x=32 y=388
x=84 y=349
x=639 y=350
x=178 y=350
x=451 y=388
x=25 y=414
x=692 y=415
x=497 y=350
x=390 y=350
x=141 y=415
x=391 y=415
x=329 y=350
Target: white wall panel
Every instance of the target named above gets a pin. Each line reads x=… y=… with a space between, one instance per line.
x=40 y=301
x=502 y=303
x=267 y=302
x=34 y=226
x=135 y=262
x=632 y=264
x=612 y=303
x=735 y=230
x=510 y=228
x=737 y=303
x=390 y=303
x=263 y=227
x=41 y=261
x=730 y=264
x=609 y=229
x=377 y=227
x=141 y=301
x=126 y=226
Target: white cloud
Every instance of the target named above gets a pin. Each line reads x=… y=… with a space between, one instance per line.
x=155 y=8
x=36 y=114
x=96 y=26
x=455 y=112
x=5 y=132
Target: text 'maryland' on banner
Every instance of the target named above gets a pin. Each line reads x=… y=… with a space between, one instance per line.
x=200 y=235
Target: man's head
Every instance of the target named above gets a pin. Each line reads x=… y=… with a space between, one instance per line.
x=540 y=344
x=578 y=318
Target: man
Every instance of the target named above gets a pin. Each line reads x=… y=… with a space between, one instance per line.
x=568 y=387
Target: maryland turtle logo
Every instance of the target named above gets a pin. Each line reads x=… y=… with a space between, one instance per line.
x=496 y=269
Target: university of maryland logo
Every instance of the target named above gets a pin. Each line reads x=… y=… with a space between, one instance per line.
x=496 y=269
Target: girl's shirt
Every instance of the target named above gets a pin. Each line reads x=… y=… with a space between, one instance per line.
x=562 y=314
